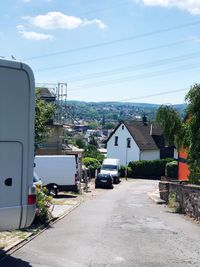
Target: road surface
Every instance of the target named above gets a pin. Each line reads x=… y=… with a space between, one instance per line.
x=120 y=227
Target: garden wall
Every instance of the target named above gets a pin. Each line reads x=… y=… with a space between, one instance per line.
x=188 y=197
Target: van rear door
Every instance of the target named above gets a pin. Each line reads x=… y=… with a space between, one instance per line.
x=10 y=184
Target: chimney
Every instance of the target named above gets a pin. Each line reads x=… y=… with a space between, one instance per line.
x=144 y=119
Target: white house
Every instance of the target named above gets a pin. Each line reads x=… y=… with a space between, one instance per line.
x=137 y=140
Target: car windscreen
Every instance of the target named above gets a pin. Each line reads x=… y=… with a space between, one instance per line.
x=109 y=167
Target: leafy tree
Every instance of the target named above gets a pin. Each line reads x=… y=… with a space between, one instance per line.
x=93 y=125
x=193 y=132
x=43 y=113
x=170 y=121
x=93 y=141
x=92 y=152
x=109 y=125
x=79 y=142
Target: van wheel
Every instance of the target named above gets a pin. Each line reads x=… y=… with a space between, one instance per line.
x=52 y=191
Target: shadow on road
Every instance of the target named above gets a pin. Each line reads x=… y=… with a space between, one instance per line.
x=64 y=196
x=10 y=261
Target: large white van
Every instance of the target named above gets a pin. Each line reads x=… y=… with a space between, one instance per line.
x=17 y=193
x=112 y=167
x=58 y=172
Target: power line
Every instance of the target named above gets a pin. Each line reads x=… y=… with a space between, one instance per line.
x=136 y=67
x=152 y=95
x=113 y=56
x=138 y=36
x=141 y=76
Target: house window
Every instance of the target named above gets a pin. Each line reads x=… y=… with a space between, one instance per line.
x=116 y=140
x=128 y=142
x=122 y=127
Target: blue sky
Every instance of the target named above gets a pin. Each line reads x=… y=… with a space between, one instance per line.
x=108 y=50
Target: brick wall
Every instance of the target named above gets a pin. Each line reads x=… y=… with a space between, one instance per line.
x=188 y=197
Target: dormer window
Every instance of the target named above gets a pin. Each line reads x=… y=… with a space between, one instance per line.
x=116 y=140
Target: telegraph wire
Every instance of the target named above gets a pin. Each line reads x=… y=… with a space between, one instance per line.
x=113 y=57
x=138 y=36
x=136 y=67
x=138 y=77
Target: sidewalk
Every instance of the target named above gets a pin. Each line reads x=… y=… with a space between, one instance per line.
x=62 y=205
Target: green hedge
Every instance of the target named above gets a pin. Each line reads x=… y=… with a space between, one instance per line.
x=171 y=169
x=148 y=168
x=123 y=170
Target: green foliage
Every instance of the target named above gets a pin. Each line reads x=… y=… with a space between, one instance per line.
x=92 y=164
x=171 y=169
x=93 y=125
x=109 y=125
x=172 y=202
x=93 y=141
x=79 y=142
x=193 y=133
x=170 y=121
x=92 y=152
x=43 y=203
x=148 y=168
x=43 y=113
x=125 y=170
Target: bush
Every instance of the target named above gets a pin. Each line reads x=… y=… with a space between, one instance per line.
x=92 y=164
x=148 y=169
x=123 y=170
x=42 y=207
x=171 y=169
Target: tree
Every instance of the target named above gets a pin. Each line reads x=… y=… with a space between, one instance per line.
x=170 y=121
x=43 y=113
x=93 y=141
x=93 y=125
x=92 y=152
x=193 y=133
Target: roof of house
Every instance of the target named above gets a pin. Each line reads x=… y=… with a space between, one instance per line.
x=45 y=94
x=141 y=133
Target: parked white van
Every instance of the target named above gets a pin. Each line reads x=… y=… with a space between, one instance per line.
x=112 y=167
x=17 y=193
x=58 y=172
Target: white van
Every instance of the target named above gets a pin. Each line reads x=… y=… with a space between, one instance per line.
x=58 y=172
x=112 y=167
x=17 y=193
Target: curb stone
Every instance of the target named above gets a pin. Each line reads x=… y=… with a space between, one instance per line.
x=155 y=197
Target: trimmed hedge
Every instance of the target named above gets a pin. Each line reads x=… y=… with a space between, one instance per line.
x=148 y=168
x=123 y=169
x=171 y=169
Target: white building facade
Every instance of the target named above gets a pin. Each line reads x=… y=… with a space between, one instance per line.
x=123 y=146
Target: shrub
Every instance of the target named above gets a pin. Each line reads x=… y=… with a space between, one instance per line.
x=123 y=169
x=171 y=169
x=172 y=202
x=148 y=168
x=92 y=164
x=42 y=207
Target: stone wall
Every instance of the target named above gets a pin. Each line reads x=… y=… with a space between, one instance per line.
x=188 y=197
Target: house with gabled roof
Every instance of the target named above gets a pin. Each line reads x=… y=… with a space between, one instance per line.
x=137 y=140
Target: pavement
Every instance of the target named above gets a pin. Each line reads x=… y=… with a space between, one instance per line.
x=62 y=205
x=120 y=227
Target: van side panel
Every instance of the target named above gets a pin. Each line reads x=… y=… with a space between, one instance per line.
x=17 y=126
x=59 y=170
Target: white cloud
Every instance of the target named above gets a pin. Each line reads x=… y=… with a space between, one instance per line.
x=192 y=6
x=58 y=20
x=33 y=35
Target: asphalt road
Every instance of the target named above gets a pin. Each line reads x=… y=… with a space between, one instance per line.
x=120 y=227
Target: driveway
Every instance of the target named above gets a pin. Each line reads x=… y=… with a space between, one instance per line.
x=119 y=227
